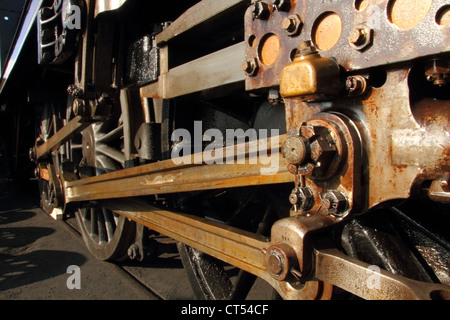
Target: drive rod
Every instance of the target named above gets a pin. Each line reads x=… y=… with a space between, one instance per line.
x=183 y=175
x=66 y=133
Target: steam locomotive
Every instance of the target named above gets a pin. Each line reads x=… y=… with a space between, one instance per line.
x=305 y=143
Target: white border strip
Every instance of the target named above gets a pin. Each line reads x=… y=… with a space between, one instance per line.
x=30 y=19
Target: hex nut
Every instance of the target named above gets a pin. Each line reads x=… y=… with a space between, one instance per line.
x=282 y=5
x=292 y=24
x=303 y=198
x=360 y=37
x=261 y=10
x=335 y=202
x=250 y=67
x=322 y=150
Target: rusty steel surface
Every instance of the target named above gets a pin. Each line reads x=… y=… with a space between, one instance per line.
x=389 y=45
x=347 y=273
x=253 y=254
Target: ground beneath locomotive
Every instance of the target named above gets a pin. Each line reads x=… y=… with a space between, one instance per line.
x=38 y=257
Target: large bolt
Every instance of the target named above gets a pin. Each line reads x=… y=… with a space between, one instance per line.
x=261 y=10
x=295 y=150
x=282 y=5
x=279 y=260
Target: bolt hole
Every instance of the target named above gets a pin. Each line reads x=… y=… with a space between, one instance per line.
x=406 y=14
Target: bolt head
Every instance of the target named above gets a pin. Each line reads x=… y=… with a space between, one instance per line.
x=302 y=197
x=335 y=202
x=282 y=5
x=360 y=37
x=261 y=10
x=294 y=150
x=279 y=259
x=250 y=67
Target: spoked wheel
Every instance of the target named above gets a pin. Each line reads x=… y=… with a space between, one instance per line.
x=48 y=123
x=104 y=148
x=253 y=210
x=411 y=240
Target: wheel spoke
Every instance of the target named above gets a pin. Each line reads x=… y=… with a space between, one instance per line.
x=111 y=153
x=93 y=223
x=111 y=136
x=109 y=223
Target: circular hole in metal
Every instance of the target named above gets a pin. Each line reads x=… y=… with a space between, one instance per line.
x=443 y=16
x=252 y=40
x=269 y=49
x=407 y=14
x=361 y=5
x=327 y=31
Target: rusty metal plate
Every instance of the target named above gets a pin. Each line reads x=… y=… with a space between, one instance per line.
x=392 y=40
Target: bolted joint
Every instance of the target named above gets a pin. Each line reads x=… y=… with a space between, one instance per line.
x=356 y=85
x=322 y=159
x=335 y=202
x=80 y=108
x=261 y=10
x=295 y=150
x=360 y=37
x=282 y=5
x=281 y=260
x=292 y=24
x=250 y=67
x=302 y=198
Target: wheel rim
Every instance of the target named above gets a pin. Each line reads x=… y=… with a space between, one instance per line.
x=47 y=128
x=106 y=234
